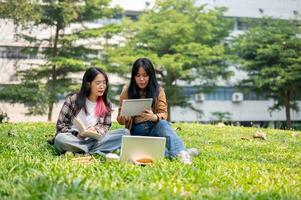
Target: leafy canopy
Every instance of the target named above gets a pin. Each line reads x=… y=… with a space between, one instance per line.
x=183 y=40
x=69 y=46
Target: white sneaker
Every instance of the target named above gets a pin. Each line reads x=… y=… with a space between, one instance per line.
x=193 y=151
x=184 y=157
x=112 y=157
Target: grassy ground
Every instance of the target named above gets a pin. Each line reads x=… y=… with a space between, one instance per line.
x=228 y=167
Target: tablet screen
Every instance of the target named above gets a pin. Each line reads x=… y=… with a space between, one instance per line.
x=134 y=107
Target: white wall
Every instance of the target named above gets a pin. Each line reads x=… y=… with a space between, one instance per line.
x=136 y=5
x=236 y=8
x=16 y=113
x=242 y=8
x=243 y=111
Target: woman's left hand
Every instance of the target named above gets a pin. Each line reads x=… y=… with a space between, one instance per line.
x=149 y=115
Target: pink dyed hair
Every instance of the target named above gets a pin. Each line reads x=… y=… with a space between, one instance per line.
x=101 y=109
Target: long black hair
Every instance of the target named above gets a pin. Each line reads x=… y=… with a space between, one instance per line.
x=152 y=88
x=85 y=89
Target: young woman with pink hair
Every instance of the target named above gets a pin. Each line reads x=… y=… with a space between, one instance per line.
x=92 y=107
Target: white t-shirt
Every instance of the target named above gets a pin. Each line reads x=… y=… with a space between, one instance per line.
x=89 y=118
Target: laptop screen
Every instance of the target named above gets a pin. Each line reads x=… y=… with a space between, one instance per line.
x=138 y=147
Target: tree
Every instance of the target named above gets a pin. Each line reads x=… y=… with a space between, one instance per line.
x=183 y=40
x=67 y=50
x=271 y=55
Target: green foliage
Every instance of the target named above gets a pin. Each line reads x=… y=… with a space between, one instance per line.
x=183 y=40
x=221 y=116
x=270 y=54
x=31 y=94
x=20 y=11
x=63 y=51
x=227 y=168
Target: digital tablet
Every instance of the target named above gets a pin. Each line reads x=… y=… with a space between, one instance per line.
x=134 y=107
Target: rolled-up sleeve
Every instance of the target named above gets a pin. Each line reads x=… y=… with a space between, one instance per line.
x=161 y=105
x=122 y=120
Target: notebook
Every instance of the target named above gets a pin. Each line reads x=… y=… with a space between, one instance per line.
x=84 y=132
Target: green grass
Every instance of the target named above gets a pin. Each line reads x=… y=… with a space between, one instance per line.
x=227 y=168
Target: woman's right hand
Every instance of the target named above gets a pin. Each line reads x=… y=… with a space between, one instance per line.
x=91 y=128
x=148 y=115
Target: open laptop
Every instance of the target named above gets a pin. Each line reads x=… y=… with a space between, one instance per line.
x=137 y=147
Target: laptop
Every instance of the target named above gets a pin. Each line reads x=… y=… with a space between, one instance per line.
x=137 y=147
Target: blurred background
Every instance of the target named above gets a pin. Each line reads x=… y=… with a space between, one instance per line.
x=231 y=61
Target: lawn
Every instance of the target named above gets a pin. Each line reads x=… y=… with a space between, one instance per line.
x=231 y=165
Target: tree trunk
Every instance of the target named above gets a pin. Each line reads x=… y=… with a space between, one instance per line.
x=53 y=73
x=50 y=107
x=287 y=97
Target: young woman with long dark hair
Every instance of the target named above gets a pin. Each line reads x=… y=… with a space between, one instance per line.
x=92 y=107
x=144 y=84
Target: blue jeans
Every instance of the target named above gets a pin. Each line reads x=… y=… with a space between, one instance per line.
x=68 y=142
x=174 y=144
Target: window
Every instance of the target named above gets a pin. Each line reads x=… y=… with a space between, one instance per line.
x=15 y=53
x=220 y=94
x=241 y=25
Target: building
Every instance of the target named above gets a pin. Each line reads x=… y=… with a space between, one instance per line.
x=242 y=108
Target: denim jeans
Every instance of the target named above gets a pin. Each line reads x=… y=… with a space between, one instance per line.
x=68 y=142
x=174 y=144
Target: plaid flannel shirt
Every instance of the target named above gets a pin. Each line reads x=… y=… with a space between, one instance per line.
x=69 y=111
